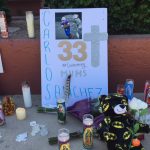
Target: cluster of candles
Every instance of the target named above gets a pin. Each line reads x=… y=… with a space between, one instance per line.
x=63 y=134
x=20 y=111
x=29 y=21
x=127 y=89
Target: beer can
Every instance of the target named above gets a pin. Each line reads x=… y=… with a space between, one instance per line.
x=2 y=116
x=129 y=86
x=146 y=88
x=61 y=110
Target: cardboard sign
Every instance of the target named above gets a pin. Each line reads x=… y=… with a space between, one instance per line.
x=73 y=41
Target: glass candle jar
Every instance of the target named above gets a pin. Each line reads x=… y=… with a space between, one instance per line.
x=63 y=139
x=88 y=131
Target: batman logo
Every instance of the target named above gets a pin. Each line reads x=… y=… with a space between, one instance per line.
x=124 y=102
x=118 y=124
x=118 y=147
x=108 y=97
x=107 y=120
x=100 y=125
x=126 y=135
x=101 y=103
x=100 y=109
x=118 y=95
x=105 y=107
x=109 y=136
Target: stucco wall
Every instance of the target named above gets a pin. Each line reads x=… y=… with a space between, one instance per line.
x=129 y=57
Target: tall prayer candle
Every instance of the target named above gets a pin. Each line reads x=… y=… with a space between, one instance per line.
x=30 y=24
x=20 y=113
x=87 y=131
x=26 y=95
x=2 y=116
x=63 y=139
x=3 y=25
x=1 y=65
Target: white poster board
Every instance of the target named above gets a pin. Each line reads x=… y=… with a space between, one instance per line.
x=73 y=41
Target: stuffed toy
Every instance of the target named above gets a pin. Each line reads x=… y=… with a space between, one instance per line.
x=119 y=128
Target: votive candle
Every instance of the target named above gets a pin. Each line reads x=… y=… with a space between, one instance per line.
x=20 y=113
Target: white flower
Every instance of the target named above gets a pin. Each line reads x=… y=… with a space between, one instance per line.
x=137 y=104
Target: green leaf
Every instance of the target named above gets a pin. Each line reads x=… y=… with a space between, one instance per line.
x=136 y=127
x=143 y=112
x=46 y=110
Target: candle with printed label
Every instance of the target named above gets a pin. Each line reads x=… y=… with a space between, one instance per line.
x=146 y=88
x=120 y=89
x=148 y=96
x=3 y=25
x=129 y=87
x=63 y=139
x=61 y=110
x=88 y=131
x=2 y=116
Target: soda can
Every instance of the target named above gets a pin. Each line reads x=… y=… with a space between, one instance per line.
x=87 y=131
x=2 y=116
x=129 y=86
x=146 y=88
x=61 y=110
x=120 y=89
x=63 y=139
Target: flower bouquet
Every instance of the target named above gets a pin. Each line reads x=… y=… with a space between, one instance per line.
x=139 y=111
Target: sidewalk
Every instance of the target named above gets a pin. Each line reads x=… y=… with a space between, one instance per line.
x=14 y=127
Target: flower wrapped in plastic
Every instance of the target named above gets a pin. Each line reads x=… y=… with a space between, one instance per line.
x=139 y=110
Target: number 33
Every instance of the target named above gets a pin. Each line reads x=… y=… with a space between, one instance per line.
x=67 y=47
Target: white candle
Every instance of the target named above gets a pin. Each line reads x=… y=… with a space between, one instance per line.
x=30 y=24
x=26 y=95
x=20 y=113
